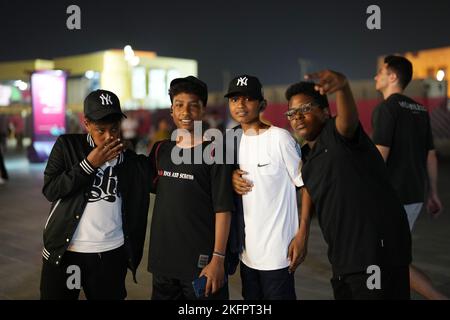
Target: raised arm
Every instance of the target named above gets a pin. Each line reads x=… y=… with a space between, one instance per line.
x=347 y=114
x=60 y=181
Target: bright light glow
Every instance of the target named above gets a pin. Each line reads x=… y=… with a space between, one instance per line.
x=5 y=95
x=129 y=53
x=440 y=75
x=21 y=85
x=134 y=61
x=89 y=74
x=172 y=74
x=138 y=83
x=128 y=49
x=157 y=89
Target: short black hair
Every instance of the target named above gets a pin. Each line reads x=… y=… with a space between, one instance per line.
x=307 y=88
x=188 y=87
x=110 y=119
x=402 y=67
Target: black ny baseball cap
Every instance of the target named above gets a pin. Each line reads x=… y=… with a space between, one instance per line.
x=245 y=85
x=101 y=103
x=200 y=87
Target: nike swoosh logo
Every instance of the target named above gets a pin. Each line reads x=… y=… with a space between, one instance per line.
x=263 y=165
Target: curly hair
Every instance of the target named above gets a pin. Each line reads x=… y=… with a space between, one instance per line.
x=307 y=88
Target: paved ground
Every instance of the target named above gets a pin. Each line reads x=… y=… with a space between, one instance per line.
x=23 y=211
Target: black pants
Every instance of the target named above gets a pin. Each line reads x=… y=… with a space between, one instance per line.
x=394 y=285
x=165 y=288
x=267 y=285
x=102 y=276
x=3 y=172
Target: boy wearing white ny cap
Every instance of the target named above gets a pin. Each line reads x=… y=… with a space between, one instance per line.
x=270 y=158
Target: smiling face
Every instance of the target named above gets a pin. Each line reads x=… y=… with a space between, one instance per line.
x=243 y=109
x=307 y=124
x=187 y=108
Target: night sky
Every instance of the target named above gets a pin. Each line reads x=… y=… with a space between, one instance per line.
x=264 y=38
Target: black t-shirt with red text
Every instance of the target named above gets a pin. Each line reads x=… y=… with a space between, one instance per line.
x=188 y=196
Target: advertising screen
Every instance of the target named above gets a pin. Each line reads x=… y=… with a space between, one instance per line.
x=48 y=91
x=48 y=101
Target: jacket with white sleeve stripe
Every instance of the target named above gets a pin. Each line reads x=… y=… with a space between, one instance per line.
x=68 y=178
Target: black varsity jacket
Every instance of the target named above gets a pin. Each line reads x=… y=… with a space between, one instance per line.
x=68 y=178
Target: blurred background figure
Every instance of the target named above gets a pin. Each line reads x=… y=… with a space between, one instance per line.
x=3 y=132
x=162 y=132
x=73 y=123
x=214 y=119
x=16 y=126
x=130 y=127
x=3 y=173
x=3 y=136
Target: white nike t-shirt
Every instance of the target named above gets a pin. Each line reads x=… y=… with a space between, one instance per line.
x=273 y=162
x=100 y=227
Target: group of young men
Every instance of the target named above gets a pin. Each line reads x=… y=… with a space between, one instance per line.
x=211 y=213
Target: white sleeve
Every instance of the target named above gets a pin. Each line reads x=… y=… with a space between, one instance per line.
x=292 y=157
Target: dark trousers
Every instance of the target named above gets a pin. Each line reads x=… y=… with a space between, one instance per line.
x=3 y=172
x=267 y=285
x=394 y=285
x=102 y=276
x=165 y=288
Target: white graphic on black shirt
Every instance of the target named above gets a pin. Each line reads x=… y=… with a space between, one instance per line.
x=105 y=186
x=412 y=106
x=178 y=175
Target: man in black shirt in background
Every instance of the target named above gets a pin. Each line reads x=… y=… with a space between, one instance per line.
x=402 y=134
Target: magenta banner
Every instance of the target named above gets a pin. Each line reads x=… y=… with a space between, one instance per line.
x=48 y=92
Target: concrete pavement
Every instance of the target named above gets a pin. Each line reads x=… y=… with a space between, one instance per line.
x=23 y=212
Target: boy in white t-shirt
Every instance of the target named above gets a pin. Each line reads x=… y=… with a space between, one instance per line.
x=270 y=158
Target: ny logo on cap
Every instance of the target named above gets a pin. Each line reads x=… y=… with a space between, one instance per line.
x=106 y=99
x=242 y=81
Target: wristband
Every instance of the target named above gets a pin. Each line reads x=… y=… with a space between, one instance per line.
x=218 y=254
